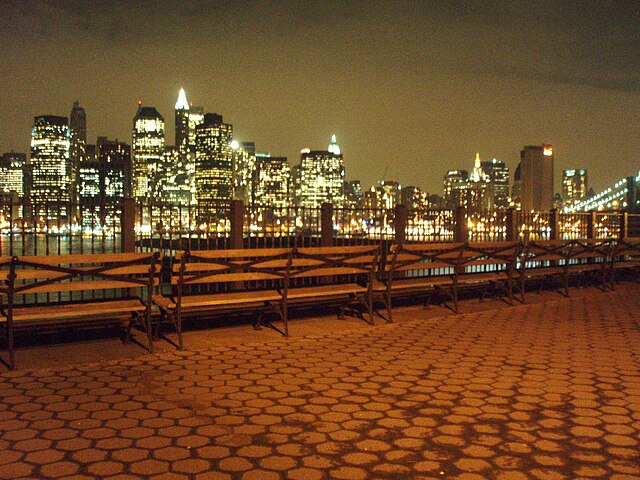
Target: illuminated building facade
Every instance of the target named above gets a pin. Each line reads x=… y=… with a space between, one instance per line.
x=273 y=178
x=413 y=198
x=196 y=117
x=182 y=123
x=456 y=189
x=12 y=173
x=574 y=187
x=388 y=194
x=175 y=177
x=536 y=178
x=115 y=159
x=480 y=189
x=214 y=160
x=498 y=174
x=148 y=149
x=50 y=165
x=103 y=181
x=244 y=171
x=77 y=145
x=353 y=193
x=321 y=176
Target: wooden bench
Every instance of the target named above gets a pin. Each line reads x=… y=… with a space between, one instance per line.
x=206 y=282
x=544 y=260
x=593 y=257
x=626 y=256
x=489 y=265
x=419 y=269
x=340 y=275
x=563 y=258
x=63 y=290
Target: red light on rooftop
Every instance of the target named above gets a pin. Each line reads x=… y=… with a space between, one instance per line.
x=139 y=102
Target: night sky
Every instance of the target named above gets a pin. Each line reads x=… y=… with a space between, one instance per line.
x=413 y=88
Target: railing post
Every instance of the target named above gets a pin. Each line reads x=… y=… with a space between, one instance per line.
x=237 y=224
x=460 y=233
x=127 y=226
x=512 y=228
x=591 y=226
x=553 y=224
x=624 y=225
x=400 y=223
x=326 y=225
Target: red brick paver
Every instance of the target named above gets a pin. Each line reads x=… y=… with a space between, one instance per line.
x=539 y=391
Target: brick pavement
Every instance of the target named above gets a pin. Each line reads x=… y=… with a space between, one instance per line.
x=538 y=391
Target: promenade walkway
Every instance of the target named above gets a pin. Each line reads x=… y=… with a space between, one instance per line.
x=546 y=390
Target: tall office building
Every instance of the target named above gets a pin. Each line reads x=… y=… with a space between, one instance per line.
x=148 y=149
x=273 y=178
x=498 y=174
x=388 y=194
x=414 y=198
x=12 y=173
x=214 y=161
x=77 y=145
x=456 y=189
x=480 y=188
x=103 y=181
x=353 y=193
x=321 y=176
x=50 y=165
x=244 y=171
x=182 y=123
x=175 y=177
x=196 y=117
x=575 y=187
x=115 y=159
x=536 y=178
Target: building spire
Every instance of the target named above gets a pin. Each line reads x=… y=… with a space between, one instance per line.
x=478 y=174
x=182 y=103
x=334 y=148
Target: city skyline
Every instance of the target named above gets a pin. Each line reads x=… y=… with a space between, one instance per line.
x=401 y=91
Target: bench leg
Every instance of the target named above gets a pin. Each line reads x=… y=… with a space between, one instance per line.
x=178 y=323
x=285 y=318
x=257 y=325
x=10 y=347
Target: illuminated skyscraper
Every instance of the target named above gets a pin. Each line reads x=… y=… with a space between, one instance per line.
x=574 y=187
x=456 y=189
x=480 y=188
x=148 y=149
x=182 y=123
x=273 y=178
x=244 y=171
x=196 y=117
x=321 y=176
x=50 y=164
x=12 y=173
x=214 y=160
x=77 y=145
x=175 y=177
x=115 y=158
x=498 y=174
x=353 y=193
x=536 y=178
x=388 y=194
x=413 y=198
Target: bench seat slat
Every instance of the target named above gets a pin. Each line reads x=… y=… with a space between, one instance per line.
x=101 y=309
x=244 y=298
x=325 y=291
